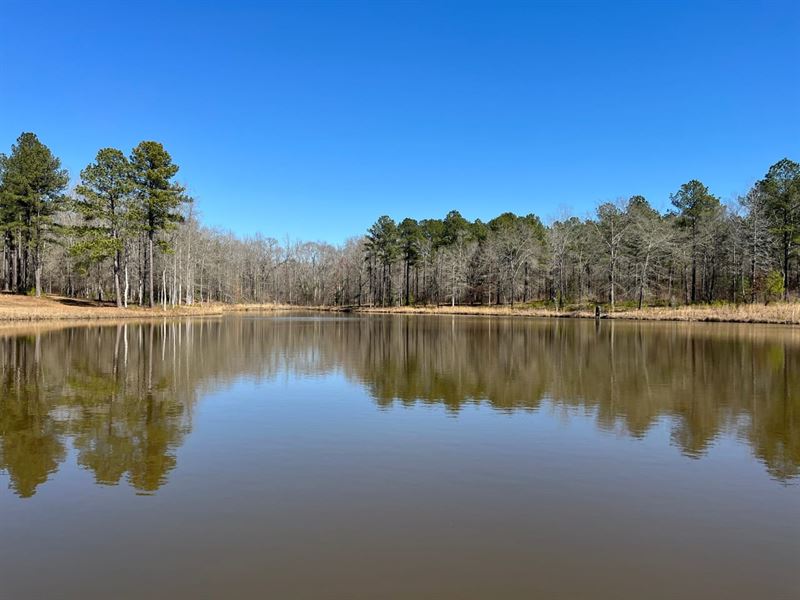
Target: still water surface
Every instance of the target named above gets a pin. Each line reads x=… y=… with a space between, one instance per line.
x=307 y=456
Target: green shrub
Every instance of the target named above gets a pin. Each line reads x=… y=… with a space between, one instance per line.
x=774 y=285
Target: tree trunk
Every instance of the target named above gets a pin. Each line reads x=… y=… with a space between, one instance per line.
x=37 y=274
x=150 y=269
x=786 y=246
x=24 y=283
x=612 y=279
x=37 y=270
x=11 y=278
x=453 y=302
x=15 y=268
x=669 y=285
x=141 y=256
x=189 y=274
x=176 y=295
x=753 y=274
x=117 y=291
x=643 y=280
x=693 y=293
x=408 y=300
x=125 y=298
x=5 y=264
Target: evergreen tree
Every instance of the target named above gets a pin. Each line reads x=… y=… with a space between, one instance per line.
x=781 y=189
x=409 y=243
x=697 y=208
x=31 y=194
x=159 y=199
x=383 y=244
x=103 y=199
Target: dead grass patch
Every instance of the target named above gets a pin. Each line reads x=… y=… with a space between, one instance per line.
x=15 y=308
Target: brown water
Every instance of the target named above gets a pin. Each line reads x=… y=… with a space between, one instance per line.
x=400 y=457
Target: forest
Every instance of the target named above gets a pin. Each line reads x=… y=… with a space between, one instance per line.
x=126 y=231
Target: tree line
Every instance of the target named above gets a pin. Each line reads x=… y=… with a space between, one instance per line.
x=122 y=208
x=128 y=231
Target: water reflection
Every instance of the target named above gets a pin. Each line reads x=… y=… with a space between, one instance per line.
x=113 y=392
x=122 y=396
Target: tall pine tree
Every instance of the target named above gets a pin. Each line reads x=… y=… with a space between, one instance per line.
x=781 y=189
x=159 y=198
x=103 y=200
x=31 y=194
x=697 y=208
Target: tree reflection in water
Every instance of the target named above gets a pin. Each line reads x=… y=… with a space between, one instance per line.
x=122 y=395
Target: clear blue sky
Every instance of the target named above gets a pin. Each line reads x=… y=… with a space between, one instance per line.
x=314 y=118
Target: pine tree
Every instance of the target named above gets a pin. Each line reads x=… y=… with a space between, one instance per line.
x=409 y=243
x=781 y=188
x=697 y=208
x=31 y=194
x=159 y=198
x=382 y=244
x=103 y=199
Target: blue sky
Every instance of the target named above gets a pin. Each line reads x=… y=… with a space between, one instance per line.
x=311 y=119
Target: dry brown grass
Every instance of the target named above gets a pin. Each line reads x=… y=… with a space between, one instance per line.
x=49 y=308
x=258 y=307
x=781 y=313
x=58 y=308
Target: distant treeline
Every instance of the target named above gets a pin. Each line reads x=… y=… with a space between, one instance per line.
x=128 y=231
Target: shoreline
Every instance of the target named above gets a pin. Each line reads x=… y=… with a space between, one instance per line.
x=18 y=310
x=774 y=314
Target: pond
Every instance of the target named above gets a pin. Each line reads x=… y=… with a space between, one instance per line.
x=317 y=456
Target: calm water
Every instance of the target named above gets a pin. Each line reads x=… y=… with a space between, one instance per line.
x=400 y=457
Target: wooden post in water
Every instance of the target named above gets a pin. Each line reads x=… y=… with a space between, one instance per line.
x=596 y=311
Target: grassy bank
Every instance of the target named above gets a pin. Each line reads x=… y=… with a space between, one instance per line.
x=15 y=308
x=56 y=308
x=779 y=313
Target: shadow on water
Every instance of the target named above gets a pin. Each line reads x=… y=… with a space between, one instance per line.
x=122 y=396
